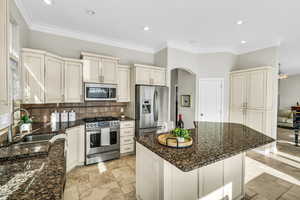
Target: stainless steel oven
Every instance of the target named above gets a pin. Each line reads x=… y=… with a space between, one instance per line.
x=102 y=139
x=100 y=92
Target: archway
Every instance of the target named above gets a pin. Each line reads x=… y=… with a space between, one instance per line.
x=183 y=96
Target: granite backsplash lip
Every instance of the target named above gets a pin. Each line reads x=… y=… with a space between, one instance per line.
x=212 y=142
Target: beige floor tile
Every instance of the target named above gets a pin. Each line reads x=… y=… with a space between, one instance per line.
x=71 y=193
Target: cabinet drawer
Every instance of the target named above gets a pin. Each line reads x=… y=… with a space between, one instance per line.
x=126 y=140
x=127 y=124
x=127 y=148
x=126 y=132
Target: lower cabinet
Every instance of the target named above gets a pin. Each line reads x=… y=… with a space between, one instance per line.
x=126 y=137
x=75 y=147
x=157 y=179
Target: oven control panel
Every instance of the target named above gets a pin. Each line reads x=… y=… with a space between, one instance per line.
x=104 y=124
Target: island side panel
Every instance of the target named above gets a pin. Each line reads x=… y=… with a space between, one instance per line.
x=157 y=179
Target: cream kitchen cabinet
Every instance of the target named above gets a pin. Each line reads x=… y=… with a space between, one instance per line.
x=75 y=147
x=49 y=78
x=123 y=83
x=252 y=98
x=73 y=88
x=33 y=67
x=149 y=75
x=4 y=17
x=99 y=68
x=54 y=88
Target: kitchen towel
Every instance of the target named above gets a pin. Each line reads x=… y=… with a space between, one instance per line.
x=105 y=136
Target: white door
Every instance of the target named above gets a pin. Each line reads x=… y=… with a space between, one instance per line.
x=109 y=71
x=73 y=82
x=54 y=80
x=211 y=100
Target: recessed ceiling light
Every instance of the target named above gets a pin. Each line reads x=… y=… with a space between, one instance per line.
x=48 y=2
x=146 y=28
x=90 y=12
x=239 y=22
x=243 y=42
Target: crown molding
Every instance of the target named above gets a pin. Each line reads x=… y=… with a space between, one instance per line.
x=89 y=37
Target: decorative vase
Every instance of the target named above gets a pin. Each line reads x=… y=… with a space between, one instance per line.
x=180 y=139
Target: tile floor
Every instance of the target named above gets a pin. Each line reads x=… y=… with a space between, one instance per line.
x=267 y=178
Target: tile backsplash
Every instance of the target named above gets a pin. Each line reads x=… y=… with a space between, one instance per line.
x=42 y=112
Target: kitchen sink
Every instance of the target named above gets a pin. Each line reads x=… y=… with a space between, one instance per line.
x=38 y=137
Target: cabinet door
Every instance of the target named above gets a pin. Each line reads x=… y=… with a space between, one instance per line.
x=237 y=115
x=73 y=82
x=142 y=75
x=123 y=84
x=81 y=146
x=256 y=90
x=3 y=56
x=238 y=90
x=158 y=77
x=212 y=181
x=91 y=69
x=54 y=80
x=72 y=148
x=109 y=71
x=233 y=177
x=33 y=69
x=255 y=119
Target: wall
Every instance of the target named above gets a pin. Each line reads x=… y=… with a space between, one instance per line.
x=289 y=92
x=187 y=86
x=262 y=57
x=210 y=65
x=161 y=58
x=70 y=47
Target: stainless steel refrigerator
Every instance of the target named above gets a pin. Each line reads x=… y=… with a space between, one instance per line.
x=151 y=108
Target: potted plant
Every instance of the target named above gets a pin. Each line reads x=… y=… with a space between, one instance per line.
x=25 y=124
x=181 y=134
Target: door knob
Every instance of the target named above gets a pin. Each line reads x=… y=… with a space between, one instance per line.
x=201 y=114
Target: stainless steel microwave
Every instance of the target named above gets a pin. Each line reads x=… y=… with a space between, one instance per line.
x=100 y=92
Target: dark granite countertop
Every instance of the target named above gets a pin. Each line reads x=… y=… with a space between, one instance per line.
x=125 y=119
x=212 y=142
x=39 y=178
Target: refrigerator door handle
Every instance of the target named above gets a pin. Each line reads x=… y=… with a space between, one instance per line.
x=155 y=110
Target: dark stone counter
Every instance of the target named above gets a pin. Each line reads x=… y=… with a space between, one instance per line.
x=39 y=178
x=212 y=142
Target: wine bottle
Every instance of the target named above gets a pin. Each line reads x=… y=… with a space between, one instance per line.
x=180 y=123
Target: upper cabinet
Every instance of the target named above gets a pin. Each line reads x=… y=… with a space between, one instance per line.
x=3 y=56
x=54 y=67
x=123 y=83
x=33 y=68
x=99 y=68
x=73 y=81
x=50 y=79
x=149 y=75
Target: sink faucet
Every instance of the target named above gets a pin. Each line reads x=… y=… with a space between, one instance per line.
x=10 y=129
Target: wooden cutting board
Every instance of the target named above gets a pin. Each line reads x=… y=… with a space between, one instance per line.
x=170 y=141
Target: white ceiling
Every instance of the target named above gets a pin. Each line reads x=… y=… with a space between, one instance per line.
x=194 y=25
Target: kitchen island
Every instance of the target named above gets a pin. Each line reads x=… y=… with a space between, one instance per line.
x=212 y=168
